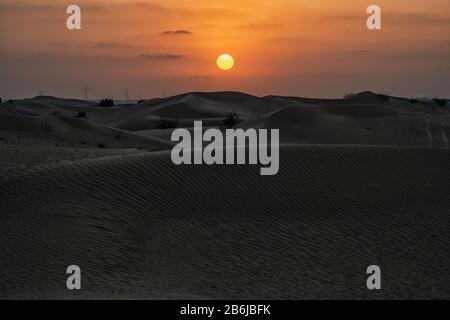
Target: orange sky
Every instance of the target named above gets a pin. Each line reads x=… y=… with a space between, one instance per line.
x=288 y=47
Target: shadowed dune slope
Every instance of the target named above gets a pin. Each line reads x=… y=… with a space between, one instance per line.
x=363 y=98
x=146 y=115
x=45 y=106
x=14 y=158
x=355 y=124
x=74 y=132
x=140 y=227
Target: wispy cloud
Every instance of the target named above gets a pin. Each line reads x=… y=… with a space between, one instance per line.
x=160 y=56
x=33 y=7
x=364 y=52
x=176 y=33
x=402 y=18
x=394 y=18
x=259 y=26
x=110 y=45
x=341 y=17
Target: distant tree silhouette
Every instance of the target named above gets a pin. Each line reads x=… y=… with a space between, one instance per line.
x=349 y=95
x=230 y=120
x=106 y=103
x=440 y=102
x=383 y=97
x=167 y=123
x=81 y=115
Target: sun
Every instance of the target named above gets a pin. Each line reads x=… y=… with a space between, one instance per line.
x=225 y=62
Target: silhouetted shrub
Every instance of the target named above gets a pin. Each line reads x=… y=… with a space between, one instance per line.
x=81 y=115
x=140 y=101
x=440 y=102
x=167 y=123
x=383 y=97
x=349 y=95
x=230 y=120
x=101 y=146
x=413 y=101
x=106 y=103
x=10 y=101
x=0 y=100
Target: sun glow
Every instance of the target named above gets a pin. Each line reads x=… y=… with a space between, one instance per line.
x=225 y=62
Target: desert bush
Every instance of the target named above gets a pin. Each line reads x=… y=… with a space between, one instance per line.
x=440 y=102
x=383 y=97
x=230 y=120
x=167 y=123
x=81 y=115
x=349 y=95
x=140 y=101
x=101 y=146
x=413 y=101
x=10 y=101
x=106 y=103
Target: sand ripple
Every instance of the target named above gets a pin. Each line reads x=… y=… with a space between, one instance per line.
x=140 y=227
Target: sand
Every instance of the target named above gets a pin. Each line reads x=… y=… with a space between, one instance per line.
x=346 y=197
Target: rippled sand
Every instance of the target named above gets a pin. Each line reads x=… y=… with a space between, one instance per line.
x=139 y=227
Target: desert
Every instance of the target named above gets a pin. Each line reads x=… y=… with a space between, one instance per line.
x=363 y=180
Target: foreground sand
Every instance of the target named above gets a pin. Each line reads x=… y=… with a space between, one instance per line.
x=362 y=181
x=140 y=227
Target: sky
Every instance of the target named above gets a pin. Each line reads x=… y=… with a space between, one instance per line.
x=319 y=48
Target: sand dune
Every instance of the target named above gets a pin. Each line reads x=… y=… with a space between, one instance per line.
x=362 y=181
x=354 y=124
x=14 y=158
x=46 y=106
x=73 y=132
x=141 y=227
x=145 y=116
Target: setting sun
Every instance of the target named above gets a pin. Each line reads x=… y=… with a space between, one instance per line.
x=225 y=62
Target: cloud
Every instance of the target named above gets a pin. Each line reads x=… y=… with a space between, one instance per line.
x=176 y=33
x=33 y=7
x=194 y=77
x=111 y=45
x=394 y=18
x=417 y=19
x=342 y=17
x=321 y=75
x=161 y=56
x=364 y=52
x=144 y=6
x=259 y=26
x=202 y=77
